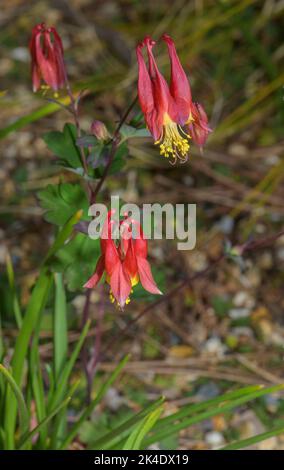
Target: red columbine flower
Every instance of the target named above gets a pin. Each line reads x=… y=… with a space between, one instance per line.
x=125 y=264
x=47 y=58
x=168 y=110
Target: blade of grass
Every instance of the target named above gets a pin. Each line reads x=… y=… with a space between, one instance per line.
x=137 y=435
x=11 y=280
x=59 y=326
x=32 y=117
x=36 y=381
x=34 y=308
x=23 y=411
x=2 y=349
x=187 y=410
x=254 y=439
x=60 y=342
x=56 y=437
x=26 y=437
x=185 y=423
x=64 y=376
x=111 y=438
x=94 y=83
x=102 y=391
x=225 y=129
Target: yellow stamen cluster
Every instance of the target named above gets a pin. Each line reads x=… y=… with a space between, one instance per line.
x=46 y=88
x=113 y=300
x=174 y=142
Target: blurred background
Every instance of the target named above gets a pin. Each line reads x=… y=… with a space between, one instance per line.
x=225 y=328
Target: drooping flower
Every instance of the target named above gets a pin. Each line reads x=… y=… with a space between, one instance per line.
x=125 y=263
x=47 y=58
x=168 y=111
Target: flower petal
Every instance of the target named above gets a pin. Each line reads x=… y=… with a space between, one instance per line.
x=164 y=104
x=95 y=278
x=146 y=97
x=179 y=86
x=120 y=284
x=146 y=276
x=198 y=127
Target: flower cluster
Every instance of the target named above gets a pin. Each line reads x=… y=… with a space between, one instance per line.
x=170 y=114
x=125 y=263
x=172 y=118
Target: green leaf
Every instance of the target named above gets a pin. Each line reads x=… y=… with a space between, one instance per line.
x=61 y=201
x=87 y=412
x=11 y=280
x=254 y=439
x=39 y=113
x=80 y=251
x=64 y=376
x=30 y=320
x=119 y=159
x=63 y=145
x=172 y=428
x=129 y=132
x=36 y=380
x=23 y=411
x=2 y=348
x=197 y=407
x=34 y=308
x=87 y=141
x=63 y=235
x=27 y=436
x=60 y=341
x=122 y=431
x=59 y=325
x=141 y=430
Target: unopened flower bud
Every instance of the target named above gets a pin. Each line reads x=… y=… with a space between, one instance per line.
x=99 y=130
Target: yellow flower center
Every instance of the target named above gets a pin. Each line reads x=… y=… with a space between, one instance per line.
x=174 y=142
x=134 y=281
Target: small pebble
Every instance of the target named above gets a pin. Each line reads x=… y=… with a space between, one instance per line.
x=214 y=438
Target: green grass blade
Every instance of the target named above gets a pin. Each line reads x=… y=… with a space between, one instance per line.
x=59 y=424
x=64 y=376
x=185 y=423
x=60 y=342
x=102 y=391
x=59 y=326
x=196 y=407
x=111 y=438
x=254 y=439
x=32 y=117
x=23 y=411
x=141 y=430
x=26 y=437
x=36 y=381
x=2 y=348
x=35 y=306
x=15 y=301
x=99 y=82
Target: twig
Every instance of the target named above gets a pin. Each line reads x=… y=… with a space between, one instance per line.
x=259 y=371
